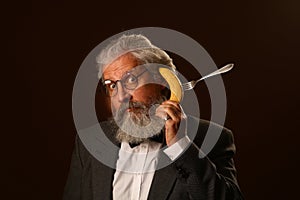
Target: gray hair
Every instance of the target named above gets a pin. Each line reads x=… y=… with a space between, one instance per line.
x=138 y=46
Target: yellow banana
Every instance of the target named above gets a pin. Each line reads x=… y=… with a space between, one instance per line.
x=174 y=83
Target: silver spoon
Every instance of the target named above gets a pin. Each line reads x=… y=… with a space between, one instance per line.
x=190 y=85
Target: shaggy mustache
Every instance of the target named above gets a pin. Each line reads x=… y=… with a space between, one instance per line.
x=141 y=107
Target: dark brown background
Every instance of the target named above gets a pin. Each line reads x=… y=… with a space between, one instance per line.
x=51 y=39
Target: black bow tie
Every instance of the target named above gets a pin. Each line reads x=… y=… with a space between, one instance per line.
x=132 y=145
x=157 y=138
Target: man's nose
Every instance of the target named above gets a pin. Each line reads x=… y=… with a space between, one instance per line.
x=123 y=94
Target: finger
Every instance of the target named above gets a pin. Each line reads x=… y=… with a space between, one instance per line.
x=174 y=114
x=171 y=106
x=167 y=115
x=174 y=103
x=168 y=109
x=170 y=113
x=177 y=105
x=160 y=113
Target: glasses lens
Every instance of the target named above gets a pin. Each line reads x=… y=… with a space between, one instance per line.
x=130 y=81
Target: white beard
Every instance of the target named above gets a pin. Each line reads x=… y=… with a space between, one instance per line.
x=140 y=124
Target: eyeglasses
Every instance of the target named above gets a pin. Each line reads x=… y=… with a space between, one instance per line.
x=128 y=80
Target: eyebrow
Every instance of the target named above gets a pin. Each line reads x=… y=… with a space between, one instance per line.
x=107 y=81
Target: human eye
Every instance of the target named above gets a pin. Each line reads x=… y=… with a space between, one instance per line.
x=112 y=86
x=131 y=79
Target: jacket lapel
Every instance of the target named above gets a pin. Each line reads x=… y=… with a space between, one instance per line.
x=163 y=180
x=102 y=178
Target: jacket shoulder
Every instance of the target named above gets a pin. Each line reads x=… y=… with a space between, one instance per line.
x=207 y=134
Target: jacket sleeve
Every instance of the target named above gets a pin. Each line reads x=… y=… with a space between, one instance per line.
x=214 y=176
x=72 y=189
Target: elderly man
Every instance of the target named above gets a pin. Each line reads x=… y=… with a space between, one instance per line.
x=151 y=129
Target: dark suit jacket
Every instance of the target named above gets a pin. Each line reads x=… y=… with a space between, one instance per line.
x=189 y=177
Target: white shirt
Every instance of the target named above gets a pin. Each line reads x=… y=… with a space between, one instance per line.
x=136 y=167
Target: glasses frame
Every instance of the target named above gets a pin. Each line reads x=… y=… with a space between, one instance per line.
x=124 y=77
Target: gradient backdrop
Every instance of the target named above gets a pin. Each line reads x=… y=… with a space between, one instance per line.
x=51 y=39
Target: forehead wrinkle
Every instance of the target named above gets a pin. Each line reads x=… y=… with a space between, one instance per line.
x=117 y=72
x=116 y=69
